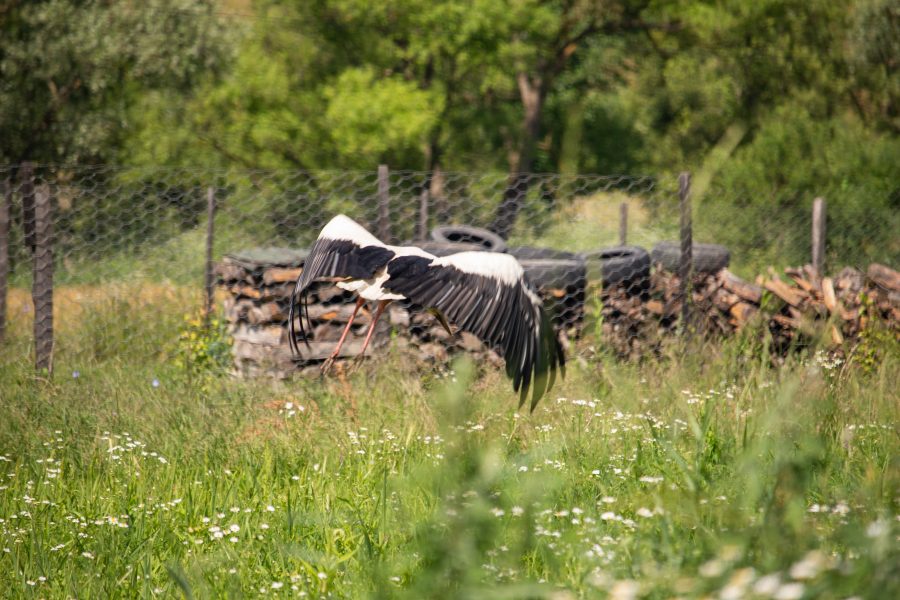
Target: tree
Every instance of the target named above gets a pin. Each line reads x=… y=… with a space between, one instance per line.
x=69 y=102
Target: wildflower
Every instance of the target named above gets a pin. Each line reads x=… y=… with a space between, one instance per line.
x=711 y=568
x=767 y=585
x=789 y=591
x=737 y=584
x=608 y=516
x=277 y=585
x=607 y=499
x=644 y=512
x=233 y=540
x=523 y=469
x=627 y=589
x=321 y=575
x=76 y=374
x=517 y=511
x=155 y=383
x=270 y=508
x=497 y=512
x=877 y=528
x=234 y=528
x=809 y=566
x=87 y=555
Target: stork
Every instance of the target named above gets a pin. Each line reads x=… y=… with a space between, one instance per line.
x=483 y=293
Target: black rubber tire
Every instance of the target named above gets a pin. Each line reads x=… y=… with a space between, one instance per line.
x=445 y=248
x=551 y=275
x=707 y=258
x=622 y=265
x=554 y=273
x=531 y=253
x=466 y=234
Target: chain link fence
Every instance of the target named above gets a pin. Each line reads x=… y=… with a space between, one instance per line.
x=102 y=248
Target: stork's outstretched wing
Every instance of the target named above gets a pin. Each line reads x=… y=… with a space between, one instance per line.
x=344 y=249
x=486 y=294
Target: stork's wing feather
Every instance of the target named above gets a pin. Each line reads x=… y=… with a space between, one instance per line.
x=333 y=258
x=487 y=295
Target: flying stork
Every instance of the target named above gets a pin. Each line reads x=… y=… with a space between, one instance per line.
x=484 y=293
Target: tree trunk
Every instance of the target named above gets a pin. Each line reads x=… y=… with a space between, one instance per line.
x=532 y=93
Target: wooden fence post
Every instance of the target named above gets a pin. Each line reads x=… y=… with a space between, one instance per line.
x=818 y=235
x=384 y=205
x=623 y=223
x=423 y=215
x=209 y=282
x=687 y=245
x=42 y=285
x=5 y=204
x=27 y=191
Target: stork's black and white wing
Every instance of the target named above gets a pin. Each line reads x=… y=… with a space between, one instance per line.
x=343 y=250
x=486 y=294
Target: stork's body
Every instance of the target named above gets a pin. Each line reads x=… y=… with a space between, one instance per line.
x=483 y=293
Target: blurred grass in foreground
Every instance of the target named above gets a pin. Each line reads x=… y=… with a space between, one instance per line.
x=708 y=473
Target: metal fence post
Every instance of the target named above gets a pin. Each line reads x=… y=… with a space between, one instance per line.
x=42 y=285
x=5 y=203
x=623 y=223
x=208 y=271
x=687 y=244
x=818 y=235
x=384 y=205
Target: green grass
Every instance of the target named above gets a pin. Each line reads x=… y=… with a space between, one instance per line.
x=705 y=474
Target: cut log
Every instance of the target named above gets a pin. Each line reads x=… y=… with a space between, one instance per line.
x=270 y=312
x=338 y=313
x=279 y=275
x=655 y=306
x=850 y=280
x=828 y=295
x=743 y=289
x=271 y=335
x=799 y=278
x=327 y=292
x=884 y=277
x=784 y=291
x=742 y=312
x=229 y=273
x=786 y=321
x=836 y=337
x=245 y=291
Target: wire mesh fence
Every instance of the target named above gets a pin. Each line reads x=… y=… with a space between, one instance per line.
x=604 y=251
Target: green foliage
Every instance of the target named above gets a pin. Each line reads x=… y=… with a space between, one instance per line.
x=877 y=340
x=694 y=477
x=204 y=348
x=760 y=202
x=67 y=101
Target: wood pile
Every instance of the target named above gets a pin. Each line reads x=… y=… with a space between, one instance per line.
x=257 y=287
x=636 y=320
x=797 y=308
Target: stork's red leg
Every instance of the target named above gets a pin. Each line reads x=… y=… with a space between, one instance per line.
x=381 y=306
x=327 y=364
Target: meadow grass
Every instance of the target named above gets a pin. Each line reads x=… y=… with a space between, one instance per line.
x=134 y=472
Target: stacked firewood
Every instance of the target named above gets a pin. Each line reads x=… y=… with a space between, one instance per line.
x=257 y=287
x=801 y=307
